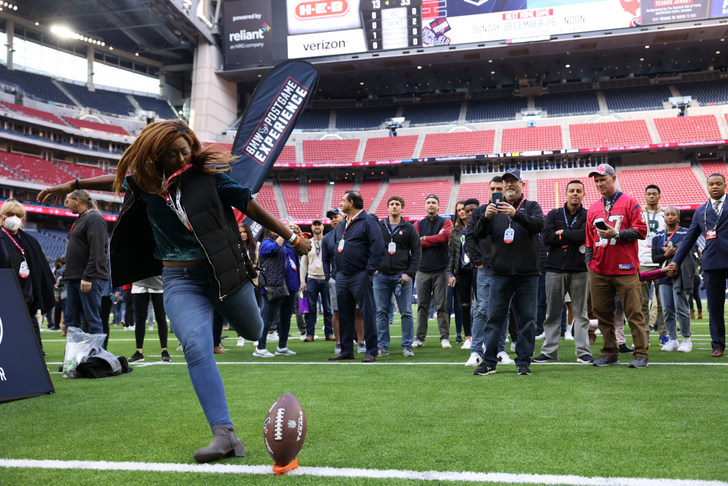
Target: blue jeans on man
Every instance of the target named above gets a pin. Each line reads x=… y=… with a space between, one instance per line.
x=314 y=288
x=384 y=287
x=84 y=305
x=524 y=292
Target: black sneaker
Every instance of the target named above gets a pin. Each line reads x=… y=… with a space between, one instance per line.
x=459 y=339
x=639 y=362
x=136 y=357
x=585 y=358
x=542 y=358
x=165 y=356
x=606 y=361
x=623 y=349
x=524 y=370
x=484 y=369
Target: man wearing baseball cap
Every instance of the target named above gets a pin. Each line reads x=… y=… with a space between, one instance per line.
x=513 y=225
x=614 y=224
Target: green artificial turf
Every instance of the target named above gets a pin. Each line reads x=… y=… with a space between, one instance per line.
x=665 y=421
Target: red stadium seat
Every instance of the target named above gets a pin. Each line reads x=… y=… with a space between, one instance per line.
x=688 y=128
x=532 y=138
x=677 y=185
x=458 y=143
x=481 y=191
x=609 y=134
x=43 y=115
x=330 y=150
x=34 y=168
x=81 y=171
x=298 y=209
x=552 y=192
x=714 y=167
x=102 y=127
x=390 y=148
x=267 y=199
x=414 y=194
x=288 y=155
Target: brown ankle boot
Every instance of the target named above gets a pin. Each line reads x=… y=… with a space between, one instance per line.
x=700 y=314
x=64 y=332
x=692 y=313
x=224 y=443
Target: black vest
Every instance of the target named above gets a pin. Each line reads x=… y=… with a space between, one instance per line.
x=436 y=257
x=214 y=225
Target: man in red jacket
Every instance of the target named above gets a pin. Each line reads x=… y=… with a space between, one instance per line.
x=613 y=226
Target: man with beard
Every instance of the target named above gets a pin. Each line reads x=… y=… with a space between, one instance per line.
x=314 y=284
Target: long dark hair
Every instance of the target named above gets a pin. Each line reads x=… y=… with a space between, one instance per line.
x=458 y=220
x=250 y=244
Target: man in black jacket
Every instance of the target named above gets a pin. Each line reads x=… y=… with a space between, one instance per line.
x=358 y=254
x=565 y=235
x=394 y=275
x=513 y=225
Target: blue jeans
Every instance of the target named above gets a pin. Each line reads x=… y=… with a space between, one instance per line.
x=353 y=289
x=524 y=292
x=84 y=305
x=279 y=307
x=313 y=289
x=190 y=295
x=384 y=286
x=481 y=311
x=675 y=305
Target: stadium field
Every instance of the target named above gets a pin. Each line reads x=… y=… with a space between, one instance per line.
x=421 y=420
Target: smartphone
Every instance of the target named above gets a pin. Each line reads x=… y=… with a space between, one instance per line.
x=601 y=225
x=496 y=197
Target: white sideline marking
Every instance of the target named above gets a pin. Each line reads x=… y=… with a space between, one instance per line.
x=379 y=363
x=357 y=473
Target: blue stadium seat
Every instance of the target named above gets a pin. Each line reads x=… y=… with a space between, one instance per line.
x=569 y=104
x=637 y=98
x=432 y=113
x=160 y=107
x=494 y=109
x=105 y=101
x=313 y=120
x=35 y=85
x=363 y=118
x=706 y=92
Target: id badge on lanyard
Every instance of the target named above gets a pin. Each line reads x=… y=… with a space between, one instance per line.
x=318 y=264
x=24 y=271
x=508 y=236
x=341 y=245
x=392 y=248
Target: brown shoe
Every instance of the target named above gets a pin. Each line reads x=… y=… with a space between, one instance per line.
x=369 y=358
x=700 y=314
x=717 y=353
x=224 y=443
x=217 y=350
x=340 y=357
x=330 y=337
x=309 y=339
x=692 y=313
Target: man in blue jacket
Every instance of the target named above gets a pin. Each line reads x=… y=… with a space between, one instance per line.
x=358 y=254
x=711 y=221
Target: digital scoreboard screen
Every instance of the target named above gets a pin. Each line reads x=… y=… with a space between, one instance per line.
x=392 y=24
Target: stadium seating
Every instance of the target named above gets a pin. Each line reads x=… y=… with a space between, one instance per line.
x=706 y=92
x=609 y=134
x=531 y=138
x=220 y=145
x=458 y=143
x=414 y=194
x=34 y=169
x=51 y=246
x=304 y=210
x=43 y=115
x=432 y=113
x=714 y=167
x=677 y=185
x=637 y=98
x=390 y=148
x=341 y=187
x=6 y=174
x=288 y=154
x=569 y=104
x=102 y=127
x=313 y=120
x=552 y=192
x=160 y=107
x=363 y=118
x=330 y=150
x=267 y=199
x=105 y=101
x=368 y=190
x=59 y=234
x=35 y=85
x=479 y=190
x=688 y=128
x=81 y=171
x=495 y=109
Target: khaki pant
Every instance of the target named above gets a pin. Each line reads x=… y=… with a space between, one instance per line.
x=603 y=290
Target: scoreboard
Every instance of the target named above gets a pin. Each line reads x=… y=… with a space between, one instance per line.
x=392 y=24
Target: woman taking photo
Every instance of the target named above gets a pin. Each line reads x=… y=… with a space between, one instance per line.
x=177 y=221
x=279 y=265
x=21 y=253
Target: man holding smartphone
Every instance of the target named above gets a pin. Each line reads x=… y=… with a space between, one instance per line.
x=614 y=224
x=513 y=225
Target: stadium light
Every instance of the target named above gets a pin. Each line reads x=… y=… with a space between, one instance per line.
x=65 y=32
x=568 y=65
x=647 y=47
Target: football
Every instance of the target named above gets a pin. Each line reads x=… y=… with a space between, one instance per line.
x=284 y=429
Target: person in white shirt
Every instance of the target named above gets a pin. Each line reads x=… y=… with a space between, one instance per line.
x=314 y=284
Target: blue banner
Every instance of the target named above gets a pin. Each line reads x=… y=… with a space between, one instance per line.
x=278 y=101
x=23 y=371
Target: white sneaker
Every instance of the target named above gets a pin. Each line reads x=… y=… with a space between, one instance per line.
x=131 y=328
x=513 y=347
x=445 y=344
x=241 y=341
x=418 y=344
x=541 y=336
x=473 y=361
x=303 y=336
x=686 y=346
x=598 y=332
x=151 y=327
x=593 y=324
x=466 y=344
x=671 y=345
x=503 y=358
x=262 y=353
x=506 y=339
x=568 y=329
x=255 y=343
x=568 y=335
x=273 y=336
x=179 y=348
x=284 y=352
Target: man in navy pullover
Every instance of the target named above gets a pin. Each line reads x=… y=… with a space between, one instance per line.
x=358 y=254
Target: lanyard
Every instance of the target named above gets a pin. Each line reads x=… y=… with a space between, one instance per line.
x=350 y=223
x=673 y=234
x=517 y=208
x=610 y=204
x=708 y=205
x=654 y=215
x=176 y=204
x=573 y=221
x=389 y=228
x=317 y=246
x=22 y=252
x=74 y=224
